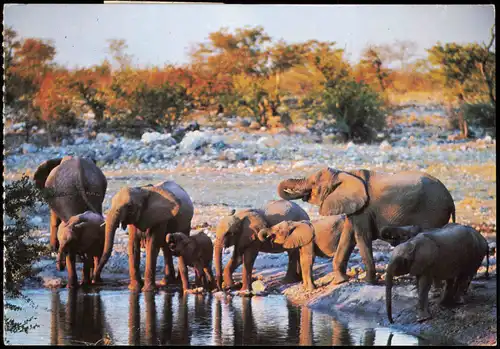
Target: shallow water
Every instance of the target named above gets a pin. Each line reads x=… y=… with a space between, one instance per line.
x=127 y=318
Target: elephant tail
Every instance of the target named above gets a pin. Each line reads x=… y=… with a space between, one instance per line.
x=487 y=274
x=453 y=215
x=81 y=186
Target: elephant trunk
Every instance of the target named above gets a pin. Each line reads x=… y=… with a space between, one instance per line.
x=292 y=189
x=388 y=289
x=61 y=257
x=112 y=221
x=263 y=235
x=219 y=244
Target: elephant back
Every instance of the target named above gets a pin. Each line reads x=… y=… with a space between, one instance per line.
x=283 y=210
x=186 y=210
x=69 y=182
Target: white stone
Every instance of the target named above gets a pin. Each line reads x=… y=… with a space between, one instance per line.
x=194 y=140
x=104 y=137
x=29 y=148
x=158 y=138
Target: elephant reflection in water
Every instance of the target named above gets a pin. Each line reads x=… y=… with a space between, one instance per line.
x=81 y=320
x=170 y=330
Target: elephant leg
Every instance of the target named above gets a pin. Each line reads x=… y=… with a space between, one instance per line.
x=169 y=277
x=344 y=250
x=462 y=284
x=96 y=278
x=293 y=273
x=134 y=258
x=87 y=264
x=437 y=288
x=364 y=243
x=449 y=292
x=424 y=285
x=231 y=266
x=54 y=224
x=210 y=278
x=152 y=249
x=71 y=266
x=184 y=273
x=306 y=263
x=249 y=257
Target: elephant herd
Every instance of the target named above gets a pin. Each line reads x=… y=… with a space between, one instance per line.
x=410 y=210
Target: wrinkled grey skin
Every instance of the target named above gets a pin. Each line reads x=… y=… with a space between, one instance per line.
x=452 y=253
x=81 y=235
x=371 y=200
x=73 y=185
x=319 y=237
x=240 y=230
x=149 y=212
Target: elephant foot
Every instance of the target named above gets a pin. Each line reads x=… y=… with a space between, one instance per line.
x=292 y=278
x=170 y=280
x=72 y=285
x=435 y=293
x=339 y=278
x=85 y=283
x=149 y=288
x=423 y=316
x=135 y=286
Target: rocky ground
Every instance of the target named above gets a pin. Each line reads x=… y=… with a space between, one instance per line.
x=240 y=168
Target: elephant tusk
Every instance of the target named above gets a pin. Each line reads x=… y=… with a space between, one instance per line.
x=289 y=191
x=102 y=225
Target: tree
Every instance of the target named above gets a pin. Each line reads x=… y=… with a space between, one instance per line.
x=487 y=67
x=376 y=58
x=20 y=252
x=117 y=48
x=27 y=62
x=90 y=85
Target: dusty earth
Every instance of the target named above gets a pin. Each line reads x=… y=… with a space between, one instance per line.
x=468 y=169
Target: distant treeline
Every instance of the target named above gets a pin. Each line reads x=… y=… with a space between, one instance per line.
x=246 y=73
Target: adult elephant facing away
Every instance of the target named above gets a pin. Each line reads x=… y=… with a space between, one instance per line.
x=72 y=185
x=150 y=212
x=371 y=200
x=240 y=230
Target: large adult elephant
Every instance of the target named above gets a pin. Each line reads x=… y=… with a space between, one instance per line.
x=72 y=185
x=371 y=200
x=240 y=230
x=150 y=212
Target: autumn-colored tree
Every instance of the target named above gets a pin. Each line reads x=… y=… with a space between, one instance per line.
x=91 y=86
x=27 y=62
x=373 y=66
x=56 y=101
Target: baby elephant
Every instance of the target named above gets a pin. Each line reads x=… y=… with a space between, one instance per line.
x=81 y=235
x=197 y=251
x=319 y=237
x=452 y=253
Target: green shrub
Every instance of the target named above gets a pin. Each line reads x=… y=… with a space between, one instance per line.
x=358 y=110
x=20 y=252
x=480 y=114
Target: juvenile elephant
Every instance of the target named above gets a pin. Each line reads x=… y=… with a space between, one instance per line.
x=452 y=253
x=150 y=212
x=241 y=230
x=371 y=200
x=72 y=185
x=197 y=252
x=81 y=235
x=319 y=237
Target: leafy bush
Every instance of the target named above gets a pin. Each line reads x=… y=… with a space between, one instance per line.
x=162 y=106
x=19 y=252
x=357 y=109
x=480 y=114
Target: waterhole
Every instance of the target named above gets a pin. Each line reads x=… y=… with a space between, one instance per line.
x=121 y=317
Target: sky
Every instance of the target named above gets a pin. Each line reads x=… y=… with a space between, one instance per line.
x=158 y=34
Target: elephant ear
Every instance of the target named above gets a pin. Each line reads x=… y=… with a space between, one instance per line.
x=346 y=195
x=43 y=171
x=300 y=235
x=424 y=253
